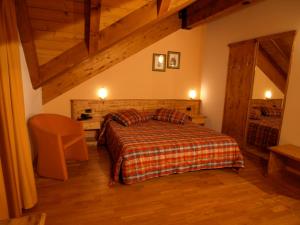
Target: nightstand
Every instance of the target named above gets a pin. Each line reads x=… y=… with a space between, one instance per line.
x=199 y=119
x=91 y=129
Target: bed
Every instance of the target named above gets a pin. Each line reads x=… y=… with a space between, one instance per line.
x=156 y=148
x=264 y=123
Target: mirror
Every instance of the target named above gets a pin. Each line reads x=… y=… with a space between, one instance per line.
x=268 y=92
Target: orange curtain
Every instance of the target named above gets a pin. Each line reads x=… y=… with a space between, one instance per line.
x=3 y=200
x=14 y=143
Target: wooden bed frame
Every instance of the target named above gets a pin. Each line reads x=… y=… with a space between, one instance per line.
x=100 y=108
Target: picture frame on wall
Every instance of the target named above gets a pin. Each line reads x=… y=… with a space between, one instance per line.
x=159 y=62
x=173 y=60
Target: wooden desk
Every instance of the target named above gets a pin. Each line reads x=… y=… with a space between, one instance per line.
x=199 y=119
x=35 y=219
x=284 y=158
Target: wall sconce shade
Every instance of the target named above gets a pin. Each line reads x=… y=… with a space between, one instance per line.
x=268 y=94
x=102 y=93
x=192 y=94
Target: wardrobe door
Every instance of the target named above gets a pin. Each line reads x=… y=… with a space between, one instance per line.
x=242 y=60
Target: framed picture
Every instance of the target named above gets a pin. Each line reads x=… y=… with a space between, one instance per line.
x=159 y=62
x=173 y=60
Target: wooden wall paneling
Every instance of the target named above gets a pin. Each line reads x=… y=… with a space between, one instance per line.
x=278 y=103
x=92 y=23
x=105 y=59
x=204 y=11
x=264 y=63
x=61 y=63
x=100 y=109
x=163 y=6
x=26 y=36
x=241 y=65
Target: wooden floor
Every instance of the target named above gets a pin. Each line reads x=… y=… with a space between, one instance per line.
x=208 y=197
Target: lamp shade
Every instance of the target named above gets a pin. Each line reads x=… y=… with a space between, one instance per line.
x=102 y=93
x=192 y=94
x=268 y=94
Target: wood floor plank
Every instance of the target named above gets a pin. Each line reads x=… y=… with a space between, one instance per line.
x=207 y=197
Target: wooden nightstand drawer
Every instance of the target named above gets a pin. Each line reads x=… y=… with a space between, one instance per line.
x=199 y=119
x=91 y=129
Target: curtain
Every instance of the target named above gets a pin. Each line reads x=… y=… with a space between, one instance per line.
x=3 y=200
x=14 y=143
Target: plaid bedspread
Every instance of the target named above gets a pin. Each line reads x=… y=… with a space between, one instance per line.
x=157 y=148
x=263 y=133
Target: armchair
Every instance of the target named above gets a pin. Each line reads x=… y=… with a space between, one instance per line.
x=56 y=139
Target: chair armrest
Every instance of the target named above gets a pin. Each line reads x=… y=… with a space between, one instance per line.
x=72 y=127
x=46 y=131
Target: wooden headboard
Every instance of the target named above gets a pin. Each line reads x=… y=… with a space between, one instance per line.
x=101 y=108
x=266 y=102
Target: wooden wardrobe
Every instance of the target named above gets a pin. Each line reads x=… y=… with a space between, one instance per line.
x=241 y=66
x=244 y=56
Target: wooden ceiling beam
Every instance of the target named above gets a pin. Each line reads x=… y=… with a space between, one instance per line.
x=141 y=17
x=163 y=6
x=96 y=64
x=92 y=22
x=264 y=63
x=274 y=53
x=63 y=62
x=127 y=25
x=204 y=11
x=27 y=40
x=94 y=43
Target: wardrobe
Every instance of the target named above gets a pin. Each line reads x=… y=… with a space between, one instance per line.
x=244 y=57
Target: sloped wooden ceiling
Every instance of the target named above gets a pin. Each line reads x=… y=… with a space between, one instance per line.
x=274 y=58
x=67 y=42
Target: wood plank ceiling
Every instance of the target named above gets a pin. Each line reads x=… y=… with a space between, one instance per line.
x=69 y=41
x=274 y=58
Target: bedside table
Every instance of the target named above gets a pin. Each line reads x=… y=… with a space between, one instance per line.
x=91 y=129
x=199 y=119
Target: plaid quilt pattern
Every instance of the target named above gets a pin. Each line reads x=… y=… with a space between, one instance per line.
x=268 y=111
x=179 y=117
x=263 y=134
x=163 y=114
x=157 y=148
x=146 y=115
x=171 y=115
x=128 y=117
x=255 y=113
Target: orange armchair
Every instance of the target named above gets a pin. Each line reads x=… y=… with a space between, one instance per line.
x=56 y=139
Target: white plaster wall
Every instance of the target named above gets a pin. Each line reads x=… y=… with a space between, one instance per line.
x=263 y=18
